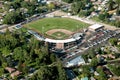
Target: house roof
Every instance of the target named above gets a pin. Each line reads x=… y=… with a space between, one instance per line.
x=85 y=78
x=16 y=73
x=9 y=69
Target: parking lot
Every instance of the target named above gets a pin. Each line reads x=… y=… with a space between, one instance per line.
x=99 y=38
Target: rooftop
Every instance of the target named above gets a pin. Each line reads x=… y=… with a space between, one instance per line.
x=95 y=26
x=85 y=78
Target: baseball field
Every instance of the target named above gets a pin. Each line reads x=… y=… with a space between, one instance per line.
x=44 y=25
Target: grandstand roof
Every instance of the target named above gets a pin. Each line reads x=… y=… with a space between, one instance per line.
x=95 y=26
x=61 y=41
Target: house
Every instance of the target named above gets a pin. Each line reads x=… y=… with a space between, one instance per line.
x=92 y=78
x=85 y=78
x=94 y=13
x=1 y=19
x=96 y=73
x=93 y=0
x=109 y=56
x=107 y=71
x=16 y=73
x=114 y=78
x=1 y=4
x=9 y=69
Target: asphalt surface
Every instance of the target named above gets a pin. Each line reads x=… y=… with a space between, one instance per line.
x=101 y=39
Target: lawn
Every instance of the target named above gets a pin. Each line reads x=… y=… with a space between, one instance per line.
x=46 y=24
x=59 y=35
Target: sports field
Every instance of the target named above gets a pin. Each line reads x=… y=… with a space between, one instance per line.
x=46 y=24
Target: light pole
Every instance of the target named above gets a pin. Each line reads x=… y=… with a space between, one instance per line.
x=43 y=30
x=77 y=28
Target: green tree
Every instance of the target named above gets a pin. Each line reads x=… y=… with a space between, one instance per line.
x=61 y=72
x=117 y=24
x=18 y=53
x=77 y=7
x=51 y=6
x=102 y=75
x=118 y=7
x=113 y=41
x=86 y=70
x=68 y=1
x=1 y=71
x=110 y=4
x=102 y=17
x=6 y=51
x=52 y=57
x=13 y=17
x=94 y=62
x=44 y=73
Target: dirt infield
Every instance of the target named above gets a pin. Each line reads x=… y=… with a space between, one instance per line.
x=50 y=32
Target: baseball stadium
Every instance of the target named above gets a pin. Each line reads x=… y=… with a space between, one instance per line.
x=59 y=32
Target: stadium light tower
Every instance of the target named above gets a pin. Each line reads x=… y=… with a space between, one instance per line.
x=77 y=28
x=43 y=30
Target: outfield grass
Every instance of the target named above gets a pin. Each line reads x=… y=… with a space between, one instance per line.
x=46 y=24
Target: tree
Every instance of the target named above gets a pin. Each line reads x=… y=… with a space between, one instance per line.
x=102 y=17
x=113 y=41
x=94 y=62
x=13 y=17
x=110 y=4
x=61 y=72
x=18 y=53
x=6 y=51
x=52 y=57
x=77 y=7
x=102 y=75
x=86 y=70
x=117 y=24
x=1 y=71
x=118 y=7
x=51 y=6
x=44 y=73
x=68 y=1
x=91 y=53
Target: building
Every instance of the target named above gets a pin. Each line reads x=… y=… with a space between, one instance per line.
x=95 y=27
x=75 y=62
x=59 y=44
x=16 y=73
x=1 y=4
x=9 y=69
x=84 y=78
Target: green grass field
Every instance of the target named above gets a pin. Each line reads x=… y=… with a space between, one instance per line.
x=59 y=35
x=46 y=24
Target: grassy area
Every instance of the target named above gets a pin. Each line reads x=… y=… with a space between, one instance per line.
x=95 y=18
x=59 y=35
x=46 y=24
